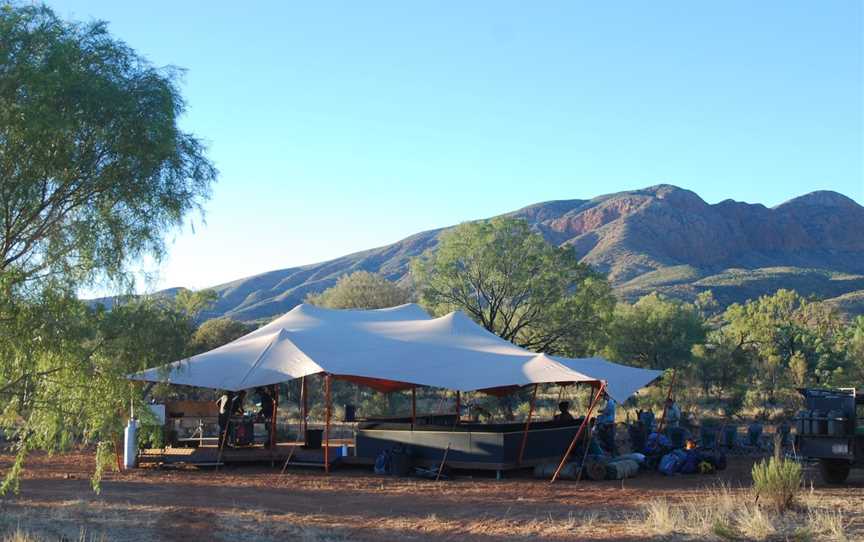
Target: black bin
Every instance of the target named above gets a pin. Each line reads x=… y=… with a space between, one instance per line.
x=400 y=464
x=313 y=439
x=350 y=413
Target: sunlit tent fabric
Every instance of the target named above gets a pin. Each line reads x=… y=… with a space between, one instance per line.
x=387 y=349
x=622 y=381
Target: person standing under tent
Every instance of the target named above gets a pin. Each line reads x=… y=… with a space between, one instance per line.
x=226 y=407
x=265 y=413
x=673 y=413
x=606 y=425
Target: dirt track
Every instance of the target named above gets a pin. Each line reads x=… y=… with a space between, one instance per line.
x=255 y=503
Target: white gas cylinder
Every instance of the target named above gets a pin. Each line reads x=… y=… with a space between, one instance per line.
x=130 y=445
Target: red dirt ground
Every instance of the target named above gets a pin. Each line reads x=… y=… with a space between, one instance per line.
x=353 y=504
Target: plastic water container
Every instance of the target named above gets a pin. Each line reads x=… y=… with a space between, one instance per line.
x=754 y=432
x=708 y=433
x=801 y=423
x=818 y=423
x=730 y=436
x=836 y=423
x=621 y=469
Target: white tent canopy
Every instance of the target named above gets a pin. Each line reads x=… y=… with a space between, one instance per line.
x=390 y=349
x=622 y=381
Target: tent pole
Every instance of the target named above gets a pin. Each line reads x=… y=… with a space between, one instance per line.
x=443 y=395
x=527 y=425
x=579 y=432
x=304 y=407
x=273 y=423
x=458 y=405
x=668 y=396
x=413 y=407
x=327 y=409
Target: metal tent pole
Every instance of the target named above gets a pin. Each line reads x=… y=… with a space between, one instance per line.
x=275 y=399
x=413 y=407
x=304 y=407
x=665 y=404
x=579 y=432
x=327 y=411
x=527 y=425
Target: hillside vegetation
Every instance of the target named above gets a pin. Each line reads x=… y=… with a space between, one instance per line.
x=660 y=238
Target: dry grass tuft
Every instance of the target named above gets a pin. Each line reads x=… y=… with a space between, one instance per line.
x=20 y=535
x=829 y=522
x=662 y=517
x=725 y=514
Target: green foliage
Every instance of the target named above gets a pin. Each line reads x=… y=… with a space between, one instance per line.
x=105 y=459
x=798 y=368
x=216 y=332
x=93 y=166
x=719 y=365
x=777 y=481
x=94 y=170
x=790 y=340
x=854 y=342
x=194 y=302
x=508 y=279
x=655 y=332
x=706 y=304
x=12 y=480
x=64 y=372
x=360 y=290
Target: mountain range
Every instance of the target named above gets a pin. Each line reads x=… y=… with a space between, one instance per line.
x=661 y=238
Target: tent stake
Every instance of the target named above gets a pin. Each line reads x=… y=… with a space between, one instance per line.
x=527 y=425
x=666 y=403
x=327 y=409
x=579 y=432
x=443 y=460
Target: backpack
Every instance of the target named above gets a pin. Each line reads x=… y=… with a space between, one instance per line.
x=383 y=462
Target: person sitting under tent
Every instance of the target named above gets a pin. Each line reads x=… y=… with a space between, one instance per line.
x=564 y=415
x=606 y=426
x=265 y=412
x=673 y=413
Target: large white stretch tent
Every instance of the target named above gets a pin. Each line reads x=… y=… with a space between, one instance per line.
x=389 y=349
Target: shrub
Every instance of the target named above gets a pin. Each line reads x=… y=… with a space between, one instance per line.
x=777 y=481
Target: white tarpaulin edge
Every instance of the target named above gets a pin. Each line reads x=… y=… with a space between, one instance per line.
x=400 y=344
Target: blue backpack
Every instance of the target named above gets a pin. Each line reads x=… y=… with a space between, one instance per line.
x=383 y=462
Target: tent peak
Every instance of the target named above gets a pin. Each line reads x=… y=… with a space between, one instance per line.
x=458 y=317
x=406 y=309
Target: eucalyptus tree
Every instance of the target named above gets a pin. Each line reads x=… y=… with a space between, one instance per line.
x=361 y=290
x=94 y=168
x=511 y=281
x=94 y=171
x=655 y=332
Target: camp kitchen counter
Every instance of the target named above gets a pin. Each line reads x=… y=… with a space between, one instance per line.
x=472 y=445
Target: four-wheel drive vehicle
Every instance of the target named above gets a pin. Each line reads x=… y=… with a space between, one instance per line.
x=831 y=430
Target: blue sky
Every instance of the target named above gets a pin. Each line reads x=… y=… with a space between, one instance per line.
x=340 y=126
